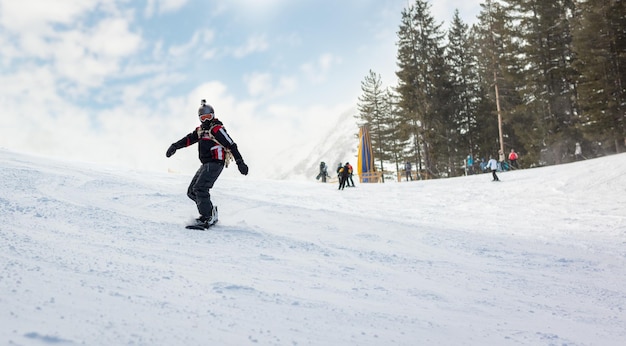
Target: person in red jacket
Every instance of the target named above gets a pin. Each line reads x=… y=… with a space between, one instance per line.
x=214 y=148
x=349 y=182
x=513 y=158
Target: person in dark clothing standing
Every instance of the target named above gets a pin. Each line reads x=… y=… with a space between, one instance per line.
x=407 y=171
x=339 y=170
x=349 y=180
x=344 y=173
x=513 y=158
x=215 y=148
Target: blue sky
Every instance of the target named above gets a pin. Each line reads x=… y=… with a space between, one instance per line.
x=116 y=81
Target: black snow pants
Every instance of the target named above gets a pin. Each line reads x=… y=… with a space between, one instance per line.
x=495 y=176
x=199 y=187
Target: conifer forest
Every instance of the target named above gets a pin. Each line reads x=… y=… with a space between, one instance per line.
x=535 y=76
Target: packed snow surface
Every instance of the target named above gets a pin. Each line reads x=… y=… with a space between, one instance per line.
x=97 y=255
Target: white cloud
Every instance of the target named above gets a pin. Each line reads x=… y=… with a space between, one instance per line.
x=19 y=95
x=318 y=70
x=262 y=84
x=36 y=118
x=326 y=61
x=163 y=6
x=157 y=86
x=9 y=51
x=291 y=40
x=198 y=44
x=258 y=3
x=257 y=43
x=256 y=9
x=37 y=15
x=87 y=57
x=258 y=83
x=112 y=38
x=59 y=36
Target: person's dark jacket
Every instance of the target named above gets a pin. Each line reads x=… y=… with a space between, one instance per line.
x=212 y=138
x=345 y=171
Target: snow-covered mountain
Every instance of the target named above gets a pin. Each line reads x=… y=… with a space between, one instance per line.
x=96 y=255
x=338 y=143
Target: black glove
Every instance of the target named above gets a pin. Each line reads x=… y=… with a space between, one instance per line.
x=170 y=151
x=243 y=168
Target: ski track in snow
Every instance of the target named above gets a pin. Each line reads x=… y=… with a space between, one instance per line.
x=99 y=256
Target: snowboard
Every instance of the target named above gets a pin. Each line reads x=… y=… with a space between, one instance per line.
x=203 y=227
x=200 y=228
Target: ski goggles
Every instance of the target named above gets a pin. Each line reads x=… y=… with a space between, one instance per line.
x=205 y=117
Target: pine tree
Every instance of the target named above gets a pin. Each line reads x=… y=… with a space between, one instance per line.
x=397 y=141
x=549 y=92
x=466 y=94
x=499 y=80
x=532 y=75
x=374 y=112
x=444 y=136
x=600 y=45
x=420 y=77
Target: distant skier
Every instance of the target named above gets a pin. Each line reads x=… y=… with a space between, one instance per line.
x=492 y=164
x=214 y=148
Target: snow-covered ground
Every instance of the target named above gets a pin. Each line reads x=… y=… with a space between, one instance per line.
x=97 y=255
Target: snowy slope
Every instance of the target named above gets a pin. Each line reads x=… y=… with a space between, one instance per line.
x=98 y=256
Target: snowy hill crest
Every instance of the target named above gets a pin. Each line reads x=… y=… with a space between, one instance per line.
x=99 y=256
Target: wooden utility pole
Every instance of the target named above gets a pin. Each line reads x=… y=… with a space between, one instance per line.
x=495 y=80
x=495 y=85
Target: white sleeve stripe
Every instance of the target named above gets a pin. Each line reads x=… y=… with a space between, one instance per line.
x=230 y=141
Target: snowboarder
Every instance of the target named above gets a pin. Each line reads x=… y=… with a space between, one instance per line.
x=492 y=164
x=323 y=172
x=215 y=148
